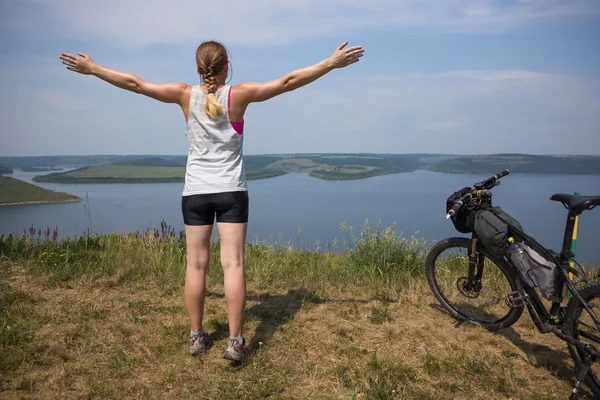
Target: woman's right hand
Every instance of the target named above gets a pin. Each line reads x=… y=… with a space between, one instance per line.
x=84 y=64
x=254 y=92
x=343 y=57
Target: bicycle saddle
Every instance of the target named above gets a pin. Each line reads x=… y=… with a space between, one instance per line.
x=577 y=204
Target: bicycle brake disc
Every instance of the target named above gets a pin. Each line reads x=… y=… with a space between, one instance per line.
x=461 y=283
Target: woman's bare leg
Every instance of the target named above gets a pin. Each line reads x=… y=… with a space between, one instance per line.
x=198 y=256
x=233 y=241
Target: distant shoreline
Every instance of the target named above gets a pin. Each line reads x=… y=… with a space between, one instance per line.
x=260 y=175
x=329 y=167
x=74 y=200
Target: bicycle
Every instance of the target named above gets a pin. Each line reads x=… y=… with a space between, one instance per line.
x=505 y=281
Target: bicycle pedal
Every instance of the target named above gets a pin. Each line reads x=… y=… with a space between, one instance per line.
x=562 y=312
x=515 y=299
x=574 y=391
x=581 y=374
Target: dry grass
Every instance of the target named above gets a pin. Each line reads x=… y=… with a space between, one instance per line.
x=104 y=338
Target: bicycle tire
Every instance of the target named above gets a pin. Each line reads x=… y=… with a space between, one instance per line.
x=572 y=315
x=506 y=321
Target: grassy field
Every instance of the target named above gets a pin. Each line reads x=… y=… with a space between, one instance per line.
x=15 y=191
x=356 y=169
x=264 y=174
x=103 y=317
x=117 y=174
x=292 y=164
x=118 y=171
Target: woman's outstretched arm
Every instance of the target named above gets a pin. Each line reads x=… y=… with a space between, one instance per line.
x=167 y=93
x=256 y=92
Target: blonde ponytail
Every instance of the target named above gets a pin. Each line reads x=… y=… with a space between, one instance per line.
x=211 y=57
x=212 y=108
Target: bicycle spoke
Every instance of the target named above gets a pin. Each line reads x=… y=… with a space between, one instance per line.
x=582 y=326
x=589 y=336
x=485 y=300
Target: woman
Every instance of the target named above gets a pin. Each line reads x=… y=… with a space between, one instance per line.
x=215 y=183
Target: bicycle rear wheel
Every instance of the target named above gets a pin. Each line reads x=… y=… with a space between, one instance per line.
x=580 y=325
x=486 y=302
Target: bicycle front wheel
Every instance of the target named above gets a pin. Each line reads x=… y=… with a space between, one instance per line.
x=486 y=300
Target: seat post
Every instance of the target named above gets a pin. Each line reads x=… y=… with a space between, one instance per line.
x=568 y=238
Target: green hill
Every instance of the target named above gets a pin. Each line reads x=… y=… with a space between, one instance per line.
x=158 y=170
x=116 y=174
x=521 y=163
x=74 y=161
x=14 y=191
x=328 y=166
x=147 y=162
x=137 y=170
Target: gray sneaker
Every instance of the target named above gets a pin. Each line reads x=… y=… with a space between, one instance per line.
x=235 y=351
x=198 y=344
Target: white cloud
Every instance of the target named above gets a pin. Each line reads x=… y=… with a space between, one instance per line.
x=469 y=111
x=275 y=22
x=60 y=100
x=485 y=111
x=455 y=125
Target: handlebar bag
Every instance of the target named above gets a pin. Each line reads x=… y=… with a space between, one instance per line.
x=464 y=219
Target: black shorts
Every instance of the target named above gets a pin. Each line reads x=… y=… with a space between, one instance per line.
x=201 y=209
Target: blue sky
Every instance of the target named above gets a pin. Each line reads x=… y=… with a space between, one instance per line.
x=452 y=76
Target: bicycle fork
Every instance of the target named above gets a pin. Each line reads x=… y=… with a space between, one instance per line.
x=475 y=272
x=472 y=264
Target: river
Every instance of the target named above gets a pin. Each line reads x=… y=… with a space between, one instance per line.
x=283 y=206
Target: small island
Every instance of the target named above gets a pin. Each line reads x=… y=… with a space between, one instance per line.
x=14 y=192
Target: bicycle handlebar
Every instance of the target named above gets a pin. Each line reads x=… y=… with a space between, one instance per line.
x=483 y=185
x=491 y=181
x=502 y=173
x=457 y=206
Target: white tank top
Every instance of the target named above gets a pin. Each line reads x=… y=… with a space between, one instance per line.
x=214 y=162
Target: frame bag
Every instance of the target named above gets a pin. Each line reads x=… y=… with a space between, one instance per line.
x=543 y=272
